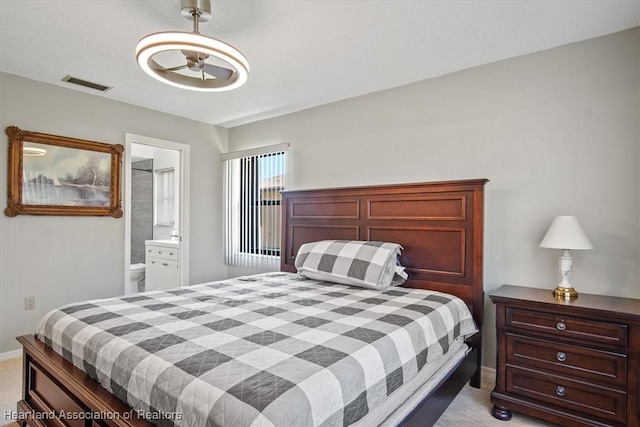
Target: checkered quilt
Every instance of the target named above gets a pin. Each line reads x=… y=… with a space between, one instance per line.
x=266 y=350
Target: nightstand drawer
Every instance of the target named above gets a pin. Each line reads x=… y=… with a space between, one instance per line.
x=565 y=359
x=570 y=328
x=559 y=391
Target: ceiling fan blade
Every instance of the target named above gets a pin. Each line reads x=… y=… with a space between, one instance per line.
x=217 y=72
x=179 y=67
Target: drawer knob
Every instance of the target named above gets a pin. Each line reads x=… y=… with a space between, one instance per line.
x=560 y=391
x=561 y=356
x=561 y=326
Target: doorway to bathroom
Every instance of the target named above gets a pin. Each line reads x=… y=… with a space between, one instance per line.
x=156 y=211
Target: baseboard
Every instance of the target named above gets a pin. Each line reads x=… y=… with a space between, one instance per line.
x=10 y=355
x=488 y=377
x=488 y=372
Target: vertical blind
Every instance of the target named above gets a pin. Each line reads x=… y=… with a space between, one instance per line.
x=253 y=180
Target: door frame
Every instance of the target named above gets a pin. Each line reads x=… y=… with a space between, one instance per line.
x=183 y=197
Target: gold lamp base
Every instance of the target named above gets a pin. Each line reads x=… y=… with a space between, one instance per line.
x=566 y=293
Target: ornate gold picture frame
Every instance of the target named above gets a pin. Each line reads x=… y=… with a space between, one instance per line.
x=57 y=175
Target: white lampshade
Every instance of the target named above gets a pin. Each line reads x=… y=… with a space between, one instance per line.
x=566 y=233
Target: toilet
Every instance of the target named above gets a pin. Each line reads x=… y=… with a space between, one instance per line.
x=136 y=277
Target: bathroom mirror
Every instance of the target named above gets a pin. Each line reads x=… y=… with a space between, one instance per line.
x=57 y=175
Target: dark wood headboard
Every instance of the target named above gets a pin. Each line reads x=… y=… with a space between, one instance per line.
x=439 y=224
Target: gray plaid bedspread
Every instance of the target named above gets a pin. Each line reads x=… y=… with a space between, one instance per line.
x=266 y=350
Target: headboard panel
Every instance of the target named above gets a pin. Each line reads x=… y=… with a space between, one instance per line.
x=439 y=224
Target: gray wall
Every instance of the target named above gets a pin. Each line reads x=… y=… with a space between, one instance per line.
x=141 y=208
x=556 y=132
x=63 y=259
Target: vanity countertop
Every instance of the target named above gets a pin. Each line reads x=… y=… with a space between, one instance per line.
x=165 y=242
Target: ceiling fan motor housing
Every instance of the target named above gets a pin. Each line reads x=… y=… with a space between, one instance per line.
x=199 y=8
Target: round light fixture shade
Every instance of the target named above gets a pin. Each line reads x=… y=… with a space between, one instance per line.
x=194 y=43
x=33 y=151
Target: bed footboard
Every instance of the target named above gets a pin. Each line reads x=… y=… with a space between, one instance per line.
x=56 y=393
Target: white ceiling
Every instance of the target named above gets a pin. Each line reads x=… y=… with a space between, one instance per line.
x=302 y=53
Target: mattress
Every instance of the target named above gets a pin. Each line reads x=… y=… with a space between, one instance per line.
x=266 y=350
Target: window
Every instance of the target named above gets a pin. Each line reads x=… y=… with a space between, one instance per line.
x=253 y=181
x=165 y=197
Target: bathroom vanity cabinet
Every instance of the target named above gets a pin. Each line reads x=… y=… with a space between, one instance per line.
x=162 y=268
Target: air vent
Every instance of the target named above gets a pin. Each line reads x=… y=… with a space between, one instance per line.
x=90 y=85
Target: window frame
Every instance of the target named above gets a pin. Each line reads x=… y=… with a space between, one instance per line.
x=161 y=178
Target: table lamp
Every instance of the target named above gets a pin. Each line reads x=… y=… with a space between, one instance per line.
x=565 y=233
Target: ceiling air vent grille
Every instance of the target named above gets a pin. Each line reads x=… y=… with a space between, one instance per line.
x=90 y=85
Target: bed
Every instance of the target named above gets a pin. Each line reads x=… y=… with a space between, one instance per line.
x=440 y=227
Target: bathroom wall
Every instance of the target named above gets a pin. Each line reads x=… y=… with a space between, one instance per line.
x=141 y=207
x=163 y=158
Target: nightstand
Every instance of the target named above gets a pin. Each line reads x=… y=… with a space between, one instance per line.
x=572 y=362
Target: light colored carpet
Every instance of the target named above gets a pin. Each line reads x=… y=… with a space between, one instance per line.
x=470 y=408
x=10 y=385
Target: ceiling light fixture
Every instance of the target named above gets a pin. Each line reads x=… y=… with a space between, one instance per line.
x=33 y=151
x=196 y=74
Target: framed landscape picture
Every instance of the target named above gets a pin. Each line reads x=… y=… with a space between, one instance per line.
x=56 y=175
